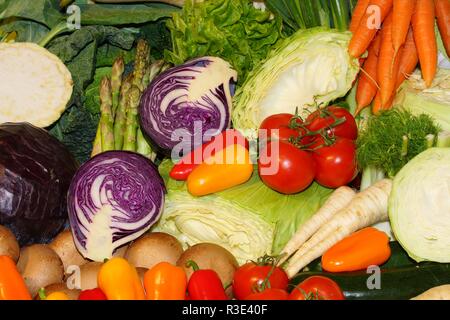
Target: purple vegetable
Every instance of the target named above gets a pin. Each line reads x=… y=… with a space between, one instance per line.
x=188 y=104
x=113 y=199
x=35 y=174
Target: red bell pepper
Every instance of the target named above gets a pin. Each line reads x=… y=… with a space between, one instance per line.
x=94 y=294
x=190 y=161
x=205 y=285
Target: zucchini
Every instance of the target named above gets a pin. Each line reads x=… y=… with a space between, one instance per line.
x=396 y=284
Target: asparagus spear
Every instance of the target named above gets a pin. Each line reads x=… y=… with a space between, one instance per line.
x=97 y=147
x=116 y=82
x=143 y=147
x=106 y=119
x=134 y=96
x=152 y=71
x=121 y=114
x=140 y=64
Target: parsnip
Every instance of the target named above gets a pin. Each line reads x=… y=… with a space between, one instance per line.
x=338 y=200
x=436 y=293
x=367 y=208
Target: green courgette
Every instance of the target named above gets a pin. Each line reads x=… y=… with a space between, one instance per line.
x=400 y=278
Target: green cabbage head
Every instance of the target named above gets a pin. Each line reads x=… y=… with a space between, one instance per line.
x=310 y=67
x=419 y=206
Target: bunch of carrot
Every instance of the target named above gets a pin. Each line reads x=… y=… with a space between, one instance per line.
x=397 y=34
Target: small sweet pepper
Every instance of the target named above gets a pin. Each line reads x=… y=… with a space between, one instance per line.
x=119 y=280
x=358 y=251
x=165 y=282
x=205 y=284
x=189 y=162
x=227 y=168
x=12 y=285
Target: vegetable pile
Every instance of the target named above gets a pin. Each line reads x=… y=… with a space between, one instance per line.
x=224 y=149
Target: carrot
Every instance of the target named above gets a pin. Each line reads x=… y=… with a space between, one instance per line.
x=365 y=209
x=358 y=14
x=367 y=28
x=401 y=19
x=423 y=28
x=443 y=20
x=408 y=60
x=338 y=200
x=367 y=86
x=376 y=104
x=386 y=70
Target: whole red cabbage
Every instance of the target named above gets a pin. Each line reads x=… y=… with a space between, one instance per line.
x=35 y=174
x=113 y=199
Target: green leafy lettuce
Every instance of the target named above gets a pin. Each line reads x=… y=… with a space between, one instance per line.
x=250 y=220
x=231 y=29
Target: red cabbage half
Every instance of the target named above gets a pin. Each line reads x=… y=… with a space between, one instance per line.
x=192 y=99
x=35 y=174
x=113 y=199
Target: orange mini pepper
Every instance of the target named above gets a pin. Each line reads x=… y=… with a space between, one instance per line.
x=119 y=280
x=358 y=251
x=165 y=282
x=12 y=285
x=225 y=169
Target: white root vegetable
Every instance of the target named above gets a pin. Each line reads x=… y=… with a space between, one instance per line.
x=338 y=200
x=436 y=293
x=367 y=208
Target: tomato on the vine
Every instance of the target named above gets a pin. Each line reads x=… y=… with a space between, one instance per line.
x=317 y=288
x=336 y=164
x=269 y=294
x=336 y=121
x=254 y=277
x=285 y=168
x=277 y=127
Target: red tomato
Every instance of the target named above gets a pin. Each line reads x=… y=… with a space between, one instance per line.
x=269 y=294
x=323 y=119
x=317 y=288
x=285 y=168
x=249 y=276
x=336 y=164
x=277 y=127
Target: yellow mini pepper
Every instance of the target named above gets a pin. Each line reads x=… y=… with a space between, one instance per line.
x=227 y=168
x=120 y=281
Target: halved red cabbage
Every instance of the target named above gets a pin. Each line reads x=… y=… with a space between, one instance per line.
x=192 y=100
x=113 y=199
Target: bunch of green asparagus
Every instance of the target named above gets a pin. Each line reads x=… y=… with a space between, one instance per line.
x=118 y=128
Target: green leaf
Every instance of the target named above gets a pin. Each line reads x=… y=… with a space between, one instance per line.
x=107 y=54
x=92 y=92
x=76 y=130
x=116 y=14
x=43 y=11
x=27 y=30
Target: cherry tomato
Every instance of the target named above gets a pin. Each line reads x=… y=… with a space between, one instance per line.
x=336 y=164
x=323 y=119
x=269 y=294
x=277 y=127
x=285 y=168
x=251 y=275
x=317 y=288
